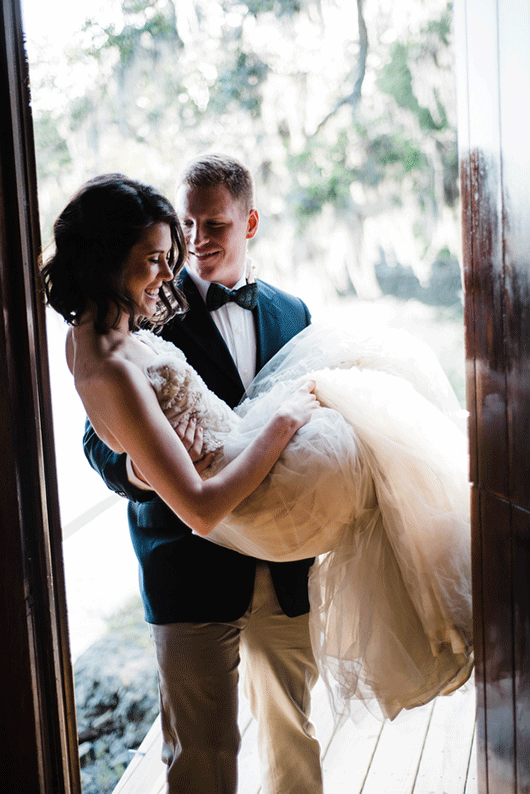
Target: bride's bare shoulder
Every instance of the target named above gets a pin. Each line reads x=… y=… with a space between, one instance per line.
x=107 y=380
x=105 y=370
x=112 y=370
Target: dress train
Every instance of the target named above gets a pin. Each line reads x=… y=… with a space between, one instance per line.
x=375 y=487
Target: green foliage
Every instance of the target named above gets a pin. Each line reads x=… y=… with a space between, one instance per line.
x=52 y=150
x=395 y=150
x=270 y=82
x=143 y=19
x=441 y=27
x=239 y=84
x=320 y=177
x=396 y=81
x=279 y=8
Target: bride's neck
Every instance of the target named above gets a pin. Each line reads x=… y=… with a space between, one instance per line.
x=85 y=347
x=116 y=326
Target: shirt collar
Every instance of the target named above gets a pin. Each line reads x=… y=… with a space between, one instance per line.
x=203 y=285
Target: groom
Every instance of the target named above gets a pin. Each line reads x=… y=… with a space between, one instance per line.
x=211 y=608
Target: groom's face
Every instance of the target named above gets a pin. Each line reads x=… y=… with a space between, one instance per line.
x=217 y=227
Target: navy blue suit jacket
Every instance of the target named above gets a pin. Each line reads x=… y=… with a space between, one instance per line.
x=184 y=577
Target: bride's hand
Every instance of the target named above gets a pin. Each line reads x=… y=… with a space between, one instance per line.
x=298 y=407
x=191 y=436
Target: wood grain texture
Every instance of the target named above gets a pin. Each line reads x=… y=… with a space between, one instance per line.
x=494 y=87
x=39 y=753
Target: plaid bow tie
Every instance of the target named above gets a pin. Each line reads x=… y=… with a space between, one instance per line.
x=217 y=295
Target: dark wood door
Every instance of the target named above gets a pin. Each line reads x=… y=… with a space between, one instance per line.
x=38 y=751
x=493 y=57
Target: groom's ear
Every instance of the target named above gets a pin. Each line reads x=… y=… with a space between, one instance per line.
x=252 y=223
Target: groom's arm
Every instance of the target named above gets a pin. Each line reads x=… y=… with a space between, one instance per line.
x=112 y=467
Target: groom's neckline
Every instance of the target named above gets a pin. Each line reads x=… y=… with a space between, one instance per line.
x=203 y=285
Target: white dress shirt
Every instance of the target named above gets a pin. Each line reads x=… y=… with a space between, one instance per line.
x=236 y=326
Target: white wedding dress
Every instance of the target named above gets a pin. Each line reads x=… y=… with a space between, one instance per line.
x=375 y=486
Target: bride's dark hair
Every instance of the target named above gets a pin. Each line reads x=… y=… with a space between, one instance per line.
x=93 y=237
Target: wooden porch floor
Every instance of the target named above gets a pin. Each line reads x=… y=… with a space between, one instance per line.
x=431 y=751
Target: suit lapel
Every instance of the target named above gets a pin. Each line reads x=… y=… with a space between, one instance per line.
x=268 y=324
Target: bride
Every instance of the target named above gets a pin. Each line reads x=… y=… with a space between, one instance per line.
x=345 y=448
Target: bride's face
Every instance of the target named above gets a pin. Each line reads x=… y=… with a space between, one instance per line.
x=147 y=267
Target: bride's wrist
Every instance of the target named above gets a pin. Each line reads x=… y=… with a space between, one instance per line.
x=283 y=425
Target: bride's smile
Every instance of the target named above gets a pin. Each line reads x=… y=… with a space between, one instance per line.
x=147 y=267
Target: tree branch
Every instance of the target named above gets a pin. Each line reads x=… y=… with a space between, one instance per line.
x=354 y=98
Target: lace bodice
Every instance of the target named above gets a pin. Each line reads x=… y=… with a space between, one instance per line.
x=182 y=393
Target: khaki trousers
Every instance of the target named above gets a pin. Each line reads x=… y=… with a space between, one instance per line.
x=198 y=680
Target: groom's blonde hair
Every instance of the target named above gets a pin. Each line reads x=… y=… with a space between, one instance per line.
x=209 y=170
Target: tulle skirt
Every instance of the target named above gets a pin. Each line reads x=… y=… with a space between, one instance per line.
x=375 y=487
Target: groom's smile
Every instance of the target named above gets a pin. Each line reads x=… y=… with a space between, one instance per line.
x=217 y=227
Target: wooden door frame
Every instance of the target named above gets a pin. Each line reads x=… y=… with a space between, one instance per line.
x=493 y=73
x=39 y=737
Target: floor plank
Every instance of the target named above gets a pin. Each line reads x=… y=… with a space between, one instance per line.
x=349 y=756
x=446 y=754
x=430 y=750
x=397 y=756
x=146 y=772
x=472 y=774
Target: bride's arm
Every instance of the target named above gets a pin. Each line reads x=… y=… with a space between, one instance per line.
x=192 y=438
x=121 y=399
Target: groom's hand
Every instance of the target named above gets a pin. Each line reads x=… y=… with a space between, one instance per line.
x=191 y=436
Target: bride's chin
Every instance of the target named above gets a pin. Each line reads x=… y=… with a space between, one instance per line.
x=150 y=306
